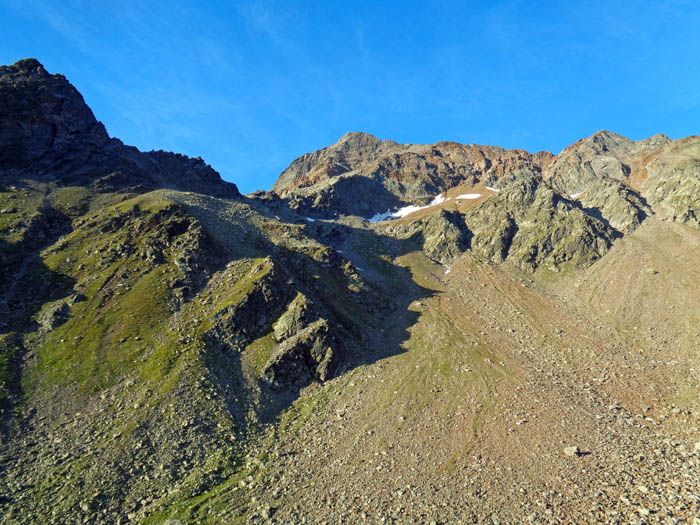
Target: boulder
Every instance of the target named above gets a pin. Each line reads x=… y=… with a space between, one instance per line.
x=312 y=354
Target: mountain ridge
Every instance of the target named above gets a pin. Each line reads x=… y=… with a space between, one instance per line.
x=512 y=337
x=47 y=131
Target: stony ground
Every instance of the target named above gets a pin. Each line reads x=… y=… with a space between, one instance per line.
x=514 y=400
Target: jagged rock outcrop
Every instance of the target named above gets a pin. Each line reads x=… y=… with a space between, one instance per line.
x=597 y=171
x=44 y=122
x=48 y=132
x=615 y=204
x=311 y=354
x=531 y=225
x=263 y=300
x=672 y=182
x=350 y=152
x=604 y=154
x=300 y=313
x=444 y=236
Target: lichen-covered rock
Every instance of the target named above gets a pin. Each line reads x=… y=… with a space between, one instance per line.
x=299 y=313
x=494 y=243
x=444 y=235
x=312 y=354
x=615 y=204
x=54 y=315
x=531 y=225
x=673 y=183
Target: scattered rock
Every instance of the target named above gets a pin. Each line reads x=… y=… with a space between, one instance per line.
x=572 y=451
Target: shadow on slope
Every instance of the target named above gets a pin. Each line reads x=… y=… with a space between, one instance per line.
x=346 y=278
x=28 y=284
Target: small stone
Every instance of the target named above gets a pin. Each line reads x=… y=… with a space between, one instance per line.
x=572 y=451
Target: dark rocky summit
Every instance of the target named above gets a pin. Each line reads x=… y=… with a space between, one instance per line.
x=395 y=333
x=48 y=133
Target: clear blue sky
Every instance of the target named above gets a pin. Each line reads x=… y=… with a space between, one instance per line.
x=249 y=86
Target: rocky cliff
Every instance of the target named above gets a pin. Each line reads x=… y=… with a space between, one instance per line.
x=48 y=133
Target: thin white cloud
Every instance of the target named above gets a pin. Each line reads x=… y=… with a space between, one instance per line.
x=48 y=13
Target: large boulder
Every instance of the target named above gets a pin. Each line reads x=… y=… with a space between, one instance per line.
x=312 y=354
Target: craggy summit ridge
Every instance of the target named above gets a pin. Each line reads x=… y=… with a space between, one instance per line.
x=395 y=333
x=599 y=188
x=387 y=173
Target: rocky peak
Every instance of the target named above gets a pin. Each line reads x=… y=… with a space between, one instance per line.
x=43 y=118
x=409 y=174
x=655 y=141
x=353 y=151
x=48 y=132
x=605 y=140
x=358 y=140
x=24 y=67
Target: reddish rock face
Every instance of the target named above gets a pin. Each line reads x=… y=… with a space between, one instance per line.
x=430 y=168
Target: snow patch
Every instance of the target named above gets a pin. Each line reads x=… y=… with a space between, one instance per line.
x=448 y=270
x=437 y=200
x=492 y=189
x=576 y=195
x=468 y=196
x=310 y=219
x=406 y=210
x=377 y=217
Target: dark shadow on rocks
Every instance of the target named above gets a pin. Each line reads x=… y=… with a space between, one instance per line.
x=27 y=284
x=597 y=214
x=341 y=197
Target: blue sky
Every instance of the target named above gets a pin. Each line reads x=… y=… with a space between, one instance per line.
x=249 y=86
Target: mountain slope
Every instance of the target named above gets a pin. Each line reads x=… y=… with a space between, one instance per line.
x=512 y=337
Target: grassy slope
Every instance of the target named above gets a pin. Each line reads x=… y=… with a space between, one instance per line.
x=123 y=331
